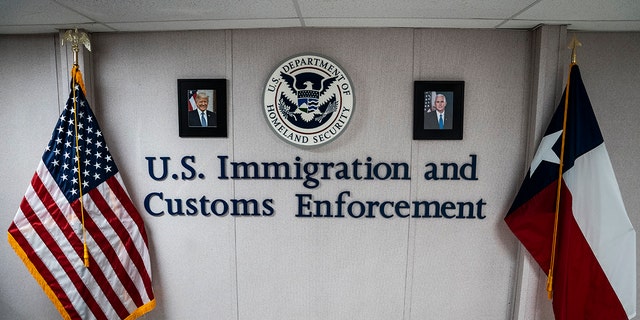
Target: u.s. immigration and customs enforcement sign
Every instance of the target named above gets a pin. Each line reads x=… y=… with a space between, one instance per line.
x=308 y=100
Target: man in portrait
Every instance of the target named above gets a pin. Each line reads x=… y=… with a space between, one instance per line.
x=441 y=116
x=202 y=116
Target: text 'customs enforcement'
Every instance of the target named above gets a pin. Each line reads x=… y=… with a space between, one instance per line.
x=308 y=100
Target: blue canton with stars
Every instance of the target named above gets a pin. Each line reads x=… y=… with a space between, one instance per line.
x=95 y=163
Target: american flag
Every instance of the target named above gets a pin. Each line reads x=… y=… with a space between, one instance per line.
x=192 y=99
x=53 y=224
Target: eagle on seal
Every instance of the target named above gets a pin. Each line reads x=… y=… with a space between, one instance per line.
x=309 y=90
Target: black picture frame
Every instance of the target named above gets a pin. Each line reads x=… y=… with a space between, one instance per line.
x=216 y=112
x=425 y=119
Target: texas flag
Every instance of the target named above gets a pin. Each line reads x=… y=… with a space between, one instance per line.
x=594 y=275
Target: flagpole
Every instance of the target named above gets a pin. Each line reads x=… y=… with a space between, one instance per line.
x=76 y=38
x=574 y=43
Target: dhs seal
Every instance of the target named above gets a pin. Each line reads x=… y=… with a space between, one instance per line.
x=308 y=100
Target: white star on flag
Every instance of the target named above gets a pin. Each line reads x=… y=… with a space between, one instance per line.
x=545 y=152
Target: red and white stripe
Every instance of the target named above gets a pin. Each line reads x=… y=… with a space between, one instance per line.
x=48 y=230
x=192 y=102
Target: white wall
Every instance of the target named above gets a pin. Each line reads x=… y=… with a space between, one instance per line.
x=29 y=103
x=282 y=266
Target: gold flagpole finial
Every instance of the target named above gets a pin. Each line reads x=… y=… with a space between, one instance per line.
x=76 y=38
x=573 y=45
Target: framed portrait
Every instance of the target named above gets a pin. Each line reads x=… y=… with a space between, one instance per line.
x=438 y=110
x=202 y=107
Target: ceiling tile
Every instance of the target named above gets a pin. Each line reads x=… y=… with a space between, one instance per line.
x=400 y=23
x=163 y=10
x=583 y=10
x=205 y=24
x=37 y=16
x=438 y=9
x=36 y=12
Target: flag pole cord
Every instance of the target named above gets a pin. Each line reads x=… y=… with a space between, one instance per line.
x=75 y=71
x=76 y=38
x=554 y=242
